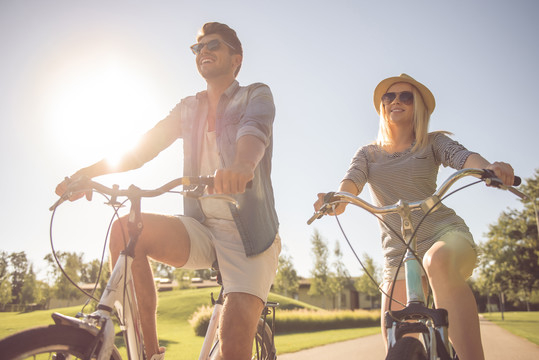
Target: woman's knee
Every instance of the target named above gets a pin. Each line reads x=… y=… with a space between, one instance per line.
x=437 y=260
x=450 y=259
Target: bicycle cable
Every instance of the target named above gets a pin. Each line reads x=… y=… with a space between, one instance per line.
x=115 y=214
x=359 y=260
x=90 y=296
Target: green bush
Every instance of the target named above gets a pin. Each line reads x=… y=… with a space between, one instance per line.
x=200 y=319
x=298 y=321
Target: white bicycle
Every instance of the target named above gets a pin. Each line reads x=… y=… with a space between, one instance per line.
x=91 y=336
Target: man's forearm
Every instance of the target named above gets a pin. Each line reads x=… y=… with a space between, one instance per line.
x=249 y=151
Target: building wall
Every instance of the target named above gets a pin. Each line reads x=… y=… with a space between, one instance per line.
x=350 y=299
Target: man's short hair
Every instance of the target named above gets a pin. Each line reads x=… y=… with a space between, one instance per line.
x=228 y=35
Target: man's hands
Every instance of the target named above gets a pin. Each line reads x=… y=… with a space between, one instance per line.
x=232 y=180
x=62 y=188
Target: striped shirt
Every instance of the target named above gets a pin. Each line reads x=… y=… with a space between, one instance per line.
x=409 y=176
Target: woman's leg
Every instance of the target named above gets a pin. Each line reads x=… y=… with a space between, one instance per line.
x=448 y=264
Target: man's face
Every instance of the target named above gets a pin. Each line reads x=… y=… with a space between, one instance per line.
x=218 y=62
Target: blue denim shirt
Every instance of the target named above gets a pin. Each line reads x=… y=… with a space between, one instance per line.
x=241 y=111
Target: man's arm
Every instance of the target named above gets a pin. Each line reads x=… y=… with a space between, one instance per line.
x=232 y=180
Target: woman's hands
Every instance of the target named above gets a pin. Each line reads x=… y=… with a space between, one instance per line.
x=503 y=171
x=346 y=186
x=339 y=208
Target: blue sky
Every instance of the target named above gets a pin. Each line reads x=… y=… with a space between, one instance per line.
x=80 y=79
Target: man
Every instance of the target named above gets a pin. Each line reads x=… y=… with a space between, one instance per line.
x=227 y=132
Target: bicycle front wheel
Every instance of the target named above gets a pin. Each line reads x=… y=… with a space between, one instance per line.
x=407 y=348
x=51 y=342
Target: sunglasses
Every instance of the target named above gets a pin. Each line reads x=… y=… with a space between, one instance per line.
x=211 y=45
x=405 y=97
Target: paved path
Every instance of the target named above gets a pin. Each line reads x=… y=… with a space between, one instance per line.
x=498 y=343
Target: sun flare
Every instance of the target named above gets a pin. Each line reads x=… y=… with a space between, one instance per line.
x=102 y=112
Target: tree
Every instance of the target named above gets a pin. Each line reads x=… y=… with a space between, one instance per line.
x=364 y=283
x=341 y=278
x=320 y=274
x=286 y=281
x=5 y=292
x=4 y=264
x=5 y=284
x=90 y=271
x=73 y=266
x=510 y=258
x=30 y=291
x=19 y=265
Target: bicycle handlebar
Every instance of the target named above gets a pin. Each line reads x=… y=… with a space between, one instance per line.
x=85 y=184
x=487 y=176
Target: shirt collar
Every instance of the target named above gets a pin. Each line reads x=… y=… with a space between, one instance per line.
x=229 y=92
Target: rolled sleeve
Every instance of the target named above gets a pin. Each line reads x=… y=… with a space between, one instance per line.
x=358 y=169
x=449 y=152
x=259 y=115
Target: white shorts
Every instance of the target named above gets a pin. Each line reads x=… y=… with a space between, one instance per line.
x=219 y=241
x=389 y=271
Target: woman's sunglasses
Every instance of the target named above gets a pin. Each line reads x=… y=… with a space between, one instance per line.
x=210 y=45
x=405 y=97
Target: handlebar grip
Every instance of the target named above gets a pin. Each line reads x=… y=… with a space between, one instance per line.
x=489 y=174
x=209 y=182
x=315 y=216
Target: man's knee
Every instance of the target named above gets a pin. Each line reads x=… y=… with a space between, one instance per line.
x=118 y=237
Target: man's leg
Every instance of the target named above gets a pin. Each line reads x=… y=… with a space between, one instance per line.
x=238 y=325
x=164 y=239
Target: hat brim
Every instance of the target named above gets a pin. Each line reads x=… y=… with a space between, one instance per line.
x=385 y=84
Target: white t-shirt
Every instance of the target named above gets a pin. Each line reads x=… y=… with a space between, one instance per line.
x=210 y=161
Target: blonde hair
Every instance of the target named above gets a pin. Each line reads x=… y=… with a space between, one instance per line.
x=421 y=120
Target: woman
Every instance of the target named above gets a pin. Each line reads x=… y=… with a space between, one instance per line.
x=403 y=164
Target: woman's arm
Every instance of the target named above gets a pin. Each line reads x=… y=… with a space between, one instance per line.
x=502 y=170
x=346 y=186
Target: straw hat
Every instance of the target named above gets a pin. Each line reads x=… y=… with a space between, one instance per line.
x=385 y=84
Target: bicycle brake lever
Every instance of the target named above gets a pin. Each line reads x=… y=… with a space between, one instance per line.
x=329 y=197
x=492 y=180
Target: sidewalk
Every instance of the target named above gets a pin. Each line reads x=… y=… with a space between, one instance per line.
x=498 y=344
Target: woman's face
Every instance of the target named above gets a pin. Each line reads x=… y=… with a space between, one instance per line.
x=397 y=111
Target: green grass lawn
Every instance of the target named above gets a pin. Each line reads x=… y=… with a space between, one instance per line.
x=521 y=323
x=175 y=332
